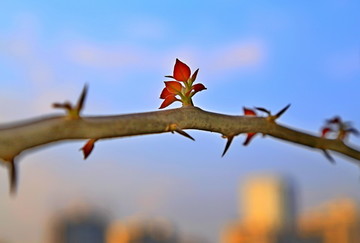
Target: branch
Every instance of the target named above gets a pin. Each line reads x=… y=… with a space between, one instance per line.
x=15 y=139
x=20 y=137
x=24 y=136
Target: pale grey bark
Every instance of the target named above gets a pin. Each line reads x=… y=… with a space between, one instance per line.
x=16 y=138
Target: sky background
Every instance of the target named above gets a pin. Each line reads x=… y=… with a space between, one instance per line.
x=250 y=53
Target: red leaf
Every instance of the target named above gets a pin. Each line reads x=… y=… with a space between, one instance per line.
x=249 y=138
x=165 y=93
x=88 y=147
x=173 y=87
x=198 y=87
x=181 y=71
x=193 y=77
x=325 y=131
x=168 y=101
x=249 y=112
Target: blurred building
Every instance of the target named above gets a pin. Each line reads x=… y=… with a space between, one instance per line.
x=268 y=208
x=333 y=222
x=78 y=225
x=269 y=203
x=142 y=231
x=84 y=224
x=269 y=216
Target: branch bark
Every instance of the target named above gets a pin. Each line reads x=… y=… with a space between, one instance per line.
x=20 y=137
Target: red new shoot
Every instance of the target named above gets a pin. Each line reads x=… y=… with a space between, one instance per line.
x=182 y=89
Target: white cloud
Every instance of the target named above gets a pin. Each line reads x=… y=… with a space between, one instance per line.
x=97 y=56
x=249 y=54
x=145 y=27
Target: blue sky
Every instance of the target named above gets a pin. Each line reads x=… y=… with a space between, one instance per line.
x=250 y=53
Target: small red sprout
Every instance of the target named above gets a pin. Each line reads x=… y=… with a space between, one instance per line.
x=249 y=112
x=250 y=135
x=182 y=89
x=325 y=131
x=340 y=128
x=88 y=147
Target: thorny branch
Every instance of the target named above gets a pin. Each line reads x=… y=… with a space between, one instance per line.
x=17 y=138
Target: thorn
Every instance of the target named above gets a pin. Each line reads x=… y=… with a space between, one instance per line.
x=328 y=156
x=66 y=105
x=73 y=112
x=282 y=111
x=12 y=177
x=182 y=132
x=249 y=138
x=227 y=145
x=263 y=110
x=353 y=131
x=80 y=103
x=174 y=128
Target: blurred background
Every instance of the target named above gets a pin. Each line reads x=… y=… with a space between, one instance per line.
x=165 y=188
